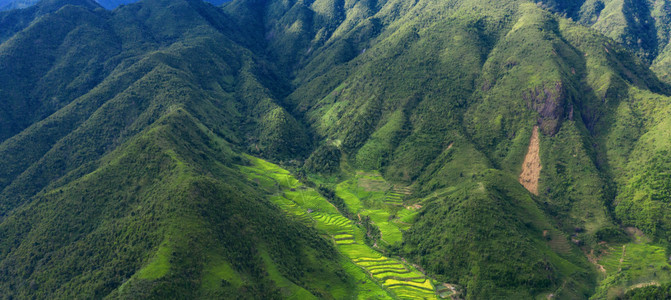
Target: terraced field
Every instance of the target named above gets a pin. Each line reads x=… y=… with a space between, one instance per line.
x=393 y=198
x=632 y=265
x=393 y=277
x=395 y=195
x=368 y=194
x=403 y=280
x=293 y=209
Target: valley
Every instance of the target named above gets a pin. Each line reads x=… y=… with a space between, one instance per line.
x=371 y=202
x=391 y=277
x=335 y=149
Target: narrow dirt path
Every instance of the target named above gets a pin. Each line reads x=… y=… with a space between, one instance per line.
x=531 y=168
x=624 y=253
x=642 y=285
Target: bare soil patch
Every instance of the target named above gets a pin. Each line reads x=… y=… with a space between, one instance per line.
x=531 y=168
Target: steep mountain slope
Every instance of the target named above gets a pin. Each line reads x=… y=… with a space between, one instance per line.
x=437 y=103
x=13 y=4
x=642 y=26
x=122 y=137
x=100 y=215
x=17 y=20
x=140 y=90
x=406 y=124
x=155 y=221
x=57 y=68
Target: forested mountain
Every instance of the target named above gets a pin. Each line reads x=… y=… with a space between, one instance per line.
x=642 y=26
x=420 y=149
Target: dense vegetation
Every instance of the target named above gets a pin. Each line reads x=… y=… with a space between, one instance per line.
x=126 y=135
x=650 y=292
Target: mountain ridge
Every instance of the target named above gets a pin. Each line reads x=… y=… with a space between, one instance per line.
x=411 y=118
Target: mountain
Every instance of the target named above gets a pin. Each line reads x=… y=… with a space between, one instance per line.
x=108 y=4
x=12 y=4
x=334 y=149
x=641 y=26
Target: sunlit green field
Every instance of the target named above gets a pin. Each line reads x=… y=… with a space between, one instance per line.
x=632 y=265
x=378 y=276
x=368 y=194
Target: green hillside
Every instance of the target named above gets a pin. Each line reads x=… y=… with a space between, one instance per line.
x=385 y=149
x=153 y=221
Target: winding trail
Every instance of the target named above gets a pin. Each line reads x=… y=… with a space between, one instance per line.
x=624 y=253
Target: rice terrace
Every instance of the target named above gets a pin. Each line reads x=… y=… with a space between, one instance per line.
x=372 y=202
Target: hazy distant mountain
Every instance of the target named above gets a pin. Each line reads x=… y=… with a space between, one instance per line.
x=14 y=4
x=112 y=4
x=399 y=149
x=108 y=4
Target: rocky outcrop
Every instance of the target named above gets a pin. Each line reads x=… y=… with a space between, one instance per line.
x=548 y=101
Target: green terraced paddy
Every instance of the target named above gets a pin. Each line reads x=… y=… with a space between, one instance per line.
x=308 y=206
x=331 y=219
x=425 y=285
x=379 y=263
x=391 y=233
x=369 y=259
x=368 y=194
x=632 y=264
x=399 y=276
x=393 y=199
x=390 y=266
x=410 y=293
x=382 y=269
x=390 y=273
x=292 y=209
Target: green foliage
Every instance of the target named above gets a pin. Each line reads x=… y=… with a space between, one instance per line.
x=281 y=135
x=357 y=242
x=40 y=78
x=325 y=159
x=375 y=153
x=338 y=202
x=175 y=217
x=649 y=292
x=611 y=234
x=645 y=200
x=487 y=235
x=121 y=134
x=631 y=266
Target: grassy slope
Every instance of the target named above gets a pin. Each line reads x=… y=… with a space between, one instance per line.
x=468 y=232
x=630 y=266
